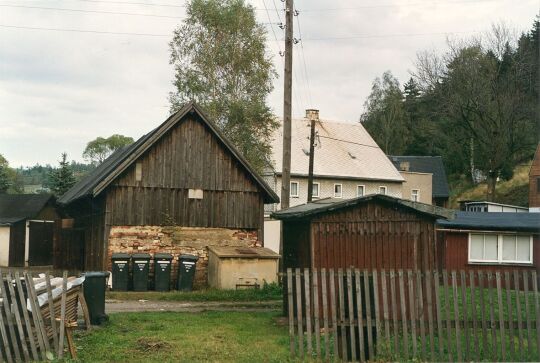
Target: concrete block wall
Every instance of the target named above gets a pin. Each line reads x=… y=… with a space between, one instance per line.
x=177 y=241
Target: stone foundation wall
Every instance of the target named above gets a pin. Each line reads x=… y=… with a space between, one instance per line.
x=177 y=241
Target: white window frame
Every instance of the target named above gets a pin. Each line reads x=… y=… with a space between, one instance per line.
x=363 y=190
x=417 y=195
x=297 y=189
x=385 y=189
x=318 y=195
x=341 y=190
x=499 y=259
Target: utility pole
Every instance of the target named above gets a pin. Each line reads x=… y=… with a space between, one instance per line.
x=287 y=106
x=312 y=115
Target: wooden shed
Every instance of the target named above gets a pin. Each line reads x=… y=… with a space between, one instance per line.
x=178 y=189
x=26 y=229
x=375 y=231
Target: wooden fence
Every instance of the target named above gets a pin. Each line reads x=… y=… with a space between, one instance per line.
x=360 y=315
x=30 y=331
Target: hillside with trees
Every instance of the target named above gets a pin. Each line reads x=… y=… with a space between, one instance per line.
x=477 y=105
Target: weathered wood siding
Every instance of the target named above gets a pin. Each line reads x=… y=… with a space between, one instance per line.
x=189 y=156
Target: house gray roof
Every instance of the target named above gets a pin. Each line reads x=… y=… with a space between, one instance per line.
x=331 y=204
x=18 y=207
x=493 y=221
x=344 y=150
x=97 y=180
x=427 y=164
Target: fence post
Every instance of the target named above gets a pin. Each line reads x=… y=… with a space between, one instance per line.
x=403 y=301
x=360 y=314
x=447 y=315
x=421 y=314
x=334 y=313
x=466 y=327
x=299 y=312
x=367 y=295
x=501 y=315
x=412 y=311
x=456 y=316
x=518 y=312
x=307 y=304
x=290 y=308
x=350 y=298
x=394 y=310
x=325 y=314
x=510 y=315
x=316 y=311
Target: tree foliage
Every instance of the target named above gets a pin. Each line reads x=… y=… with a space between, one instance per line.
x=98 y=150
x=62 y=178
x=5 y=181
x=220 y=60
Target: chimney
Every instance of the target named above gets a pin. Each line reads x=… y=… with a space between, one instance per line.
x=312 y=114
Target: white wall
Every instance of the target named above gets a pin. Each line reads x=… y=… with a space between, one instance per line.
x=4 y=245
x=272 y=232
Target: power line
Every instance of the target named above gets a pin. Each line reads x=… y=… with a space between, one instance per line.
x=389 y=35
x=131 y=3
x=304 y=59
x=349 y=142
x=398 y=4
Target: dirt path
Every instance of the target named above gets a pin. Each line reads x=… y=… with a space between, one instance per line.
x=123 y=306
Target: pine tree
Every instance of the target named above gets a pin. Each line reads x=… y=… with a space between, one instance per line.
x=61 y=179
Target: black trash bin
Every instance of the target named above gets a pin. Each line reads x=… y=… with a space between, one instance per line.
x=94 y=287
x=141 y=266
x=186 y=272
x=120 y=271
x=162 y=271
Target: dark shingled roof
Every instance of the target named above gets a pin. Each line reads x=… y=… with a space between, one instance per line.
x=91 y=184
x=427 y=164
x=18 y=207
x=332 y=204
x=493 y=221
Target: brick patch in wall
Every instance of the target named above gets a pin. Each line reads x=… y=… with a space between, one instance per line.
x=177 y=241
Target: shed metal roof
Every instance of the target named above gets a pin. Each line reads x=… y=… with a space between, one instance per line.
x=493 y=221
x=427 y=164
x=18 y=207
x=95 y=182
x=332 y=204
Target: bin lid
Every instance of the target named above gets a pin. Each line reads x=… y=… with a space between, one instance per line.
x=120 y=256
x=141 y=255
x=96 y=274
x=188 y=257
x=165 y=256
x=243 y=252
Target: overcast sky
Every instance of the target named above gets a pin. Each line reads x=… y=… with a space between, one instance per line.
x=60 y=89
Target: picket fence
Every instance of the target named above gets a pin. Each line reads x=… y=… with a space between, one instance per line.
x=360 y=315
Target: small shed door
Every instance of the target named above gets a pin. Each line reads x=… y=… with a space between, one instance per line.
x=40 y=250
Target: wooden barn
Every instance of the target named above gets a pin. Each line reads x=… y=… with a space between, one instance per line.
x=371 y=232
x=178 y=189
x=495 y=241
x=26 y=229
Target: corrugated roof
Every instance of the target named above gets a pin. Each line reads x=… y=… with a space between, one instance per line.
x=18 y=207
x=427 y=164
x=493 y=221
x=344 y=150
x=332 y=204
x=105 y=173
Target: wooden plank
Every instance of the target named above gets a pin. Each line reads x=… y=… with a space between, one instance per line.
x=447 y=309
x=62 y=317
x=20 y=326
x=324 y=292
x=334 y=312
x=500 y=307
x=412 y=312
x=4 y=334
x=350 y=299
x=456 y=317
x=527 y=313
x=518 y=314
x=9 y=319
x=485 y=352
x=38 y=325
x=403 y=301
x=420 y=315
x=376 y=301
x=360 y=314
x=394 y=310
x=475 y=334
x=537 y=310
x=510 y=310
x=316 y=311
x=464 y=306
x=438 y=312
x=386 y=316
x=299 y=312
x=343 y=331
x=492 y=317
x=369 y=325
x=52 y=316
x=290 y=306
x=27 y=322
x=307 y=305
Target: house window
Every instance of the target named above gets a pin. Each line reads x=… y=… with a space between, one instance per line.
x=315 y=190
x=295 y=187
x=415 y=195
x=500 y=248
x=360 y=190
x=382 y=190
x=338 y=191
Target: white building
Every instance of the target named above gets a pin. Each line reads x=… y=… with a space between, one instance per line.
x=484 y=206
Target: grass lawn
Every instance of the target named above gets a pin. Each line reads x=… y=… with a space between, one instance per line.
x=187 y=337
x=265 y=293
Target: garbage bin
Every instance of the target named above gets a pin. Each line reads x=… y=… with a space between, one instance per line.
x=120 y=271
x=94 y=293
x=141 y=266
x=186 y=272
x=162 y=271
